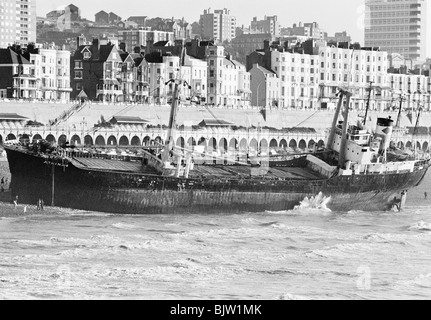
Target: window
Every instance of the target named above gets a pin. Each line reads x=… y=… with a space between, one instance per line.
x=78 y=74
x=87 y=55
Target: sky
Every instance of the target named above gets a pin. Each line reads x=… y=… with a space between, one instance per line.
x=332 y=15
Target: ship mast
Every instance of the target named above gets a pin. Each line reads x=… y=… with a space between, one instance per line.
x=399 y=112
x=170 y=140
x=368 y=103
x=342 y=156
x=335 y=120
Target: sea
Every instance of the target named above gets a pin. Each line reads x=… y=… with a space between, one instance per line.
x=305 y=254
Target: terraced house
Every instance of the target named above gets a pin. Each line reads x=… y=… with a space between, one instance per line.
x=17 y=79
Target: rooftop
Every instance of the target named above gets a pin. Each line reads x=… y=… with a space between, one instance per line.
x=11 y=117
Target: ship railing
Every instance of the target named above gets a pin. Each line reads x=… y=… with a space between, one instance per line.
x=102 y=156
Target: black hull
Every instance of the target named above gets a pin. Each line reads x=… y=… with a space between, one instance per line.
x=137 y=193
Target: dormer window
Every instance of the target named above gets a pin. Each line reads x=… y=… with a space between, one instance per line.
x=87 y=55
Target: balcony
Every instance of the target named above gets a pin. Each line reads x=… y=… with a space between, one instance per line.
x=64 y=89
x=111 y=87
x=142 y=92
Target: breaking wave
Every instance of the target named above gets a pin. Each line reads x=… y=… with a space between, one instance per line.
x=319 y=202
x=421 y=226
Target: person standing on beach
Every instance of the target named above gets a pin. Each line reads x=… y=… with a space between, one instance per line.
x=15 y=202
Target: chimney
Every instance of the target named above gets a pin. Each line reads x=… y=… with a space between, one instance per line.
x=96 y=43
x=123 y=46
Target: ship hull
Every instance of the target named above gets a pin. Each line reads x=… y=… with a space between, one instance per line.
x=137 y=193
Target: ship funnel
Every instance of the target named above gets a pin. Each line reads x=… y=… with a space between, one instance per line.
x=384 y=131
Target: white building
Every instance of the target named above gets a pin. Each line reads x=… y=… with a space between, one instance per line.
x=299 y=79
x=265 y=87
x=52 y=69
x=412 y=91
x=194 y=72
x=219 y=25
x=17 y=22
x=356 y=70
x=397 y=26
x=228 y=80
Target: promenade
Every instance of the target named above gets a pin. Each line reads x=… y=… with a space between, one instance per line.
x=76 y=123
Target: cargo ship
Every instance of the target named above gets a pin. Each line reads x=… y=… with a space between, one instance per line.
x=356 y=171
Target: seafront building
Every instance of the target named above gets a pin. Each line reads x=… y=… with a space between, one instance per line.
x=311 y=74
x=228 y=80
x=17 y=22
x=17 y=76
x=397 y=26
x=267 y=87
x=95 y=72
x=52 y=70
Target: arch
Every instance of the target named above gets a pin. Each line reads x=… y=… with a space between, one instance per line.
x=147 y=141
x=124 y=141
x=254 y=147
x=76 y=140
x=112 y=141
x=212 y=145
x=191 y=143
x=311 y=144
x=418 y=146
x=283 y=143
x=37 y=137
x=24 y=138
x=202 y=142
x=135 y=141
x=292 y=144
x=400 y=145
x=264 y=147
x=273 y=143
x=425 y=146
x=181 y=143
x=62 y=139
x=88 y=140
x=408 y=145
x=233 y=145
x=10 y=136
x=100 y=141
x=302 y=144
x=321 y=144
x=158 y=140
x=243 y=145
x=50 y=138
x=223 y=146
